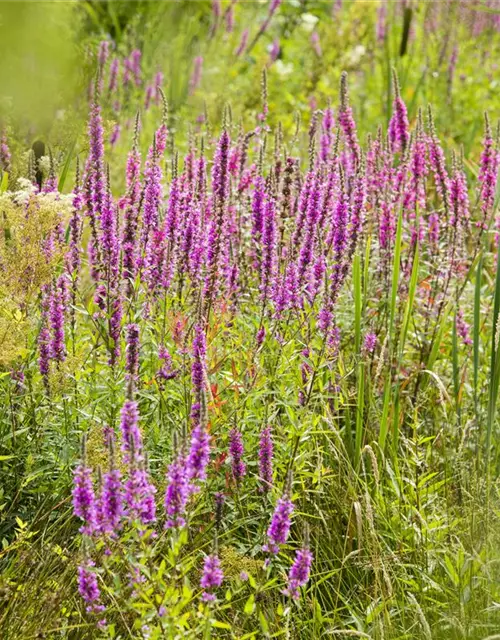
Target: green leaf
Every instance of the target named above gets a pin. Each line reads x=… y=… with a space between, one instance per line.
x=67 y=164
x=220 y=625
x=250 y=605
x=5 y=182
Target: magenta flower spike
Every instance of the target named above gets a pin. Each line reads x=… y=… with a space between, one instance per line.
x=5 y=155
x=211 y=578
x=88 y=588
x=488 y=172
x=84 y=500
x=299 y=573
x=177 y=493
x=269 y=249
x=133 y=345
x=279 y=528
x=266 y=450
x=236 y=451
x=131 y=435
x=347 y=123
x=112 y=502
x=243 y=43
x=196 y=75
x=399 y=127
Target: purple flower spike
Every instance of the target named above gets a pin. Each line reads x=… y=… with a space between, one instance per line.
x=112 y=502
x=195 y=79
x=399 y=127
x=211 y=578
x=299 y=573
x=236 y=451
x=279 y=528
x=463 y=328
x=370 y=342
x=199 y=356
x=44 y=338
x=177 y=493
x=84 y=501
x=243 y=43
x=327 y=134
x=199 y=454
x=56 y=316
x=131 y=435
x=113 y=75
x=268 y=266
x=89 y=589
x=488 y=172
x=266 y=459
x=381 y=29
x=5 y=155
x=316 y=44
x=139 y=496
x=346 y=121
x=132 y=351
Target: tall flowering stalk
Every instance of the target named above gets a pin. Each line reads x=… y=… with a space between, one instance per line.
x=132 y=362
x=279 y=528
x=194 y=81
x=84 y=500
x=273 y=7
x=5 y=155
x=299 y=573
x=268 y=264
x=211 y=578
x=112 y=502
x=346 y=121
x=153 y=176
x=488 y=173
x=416 y=193
x=326 y=139
x=217 y=230
x=177 y=493
x=337 y=242
x=114 y=71
x=459 y=197
x=243 y=43
x=151 y=203
x=44 y=337
x=316 y=44
x=56 y=318
x=95 y=191
x=139 y=502
x=381 y=28
x=73 y=257
x=112 y=498
x=306 y=254
x=266 y=450
x=88 y=588
x=131 y=205
x=139 y=495
x=236 y=451
x=399 y=127
x=111 y=298
x=199 y=452
x=131 y=435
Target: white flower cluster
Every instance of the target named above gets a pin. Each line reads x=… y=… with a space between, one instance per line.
x=27 y=189
x=44 y=165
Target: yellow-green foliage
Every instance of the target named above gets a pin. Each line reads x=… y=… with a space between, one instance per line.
x=233 y=563
x=29 y=223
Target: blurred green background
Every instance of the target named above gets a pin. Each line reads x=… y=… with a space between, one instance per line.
x=445 y=52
